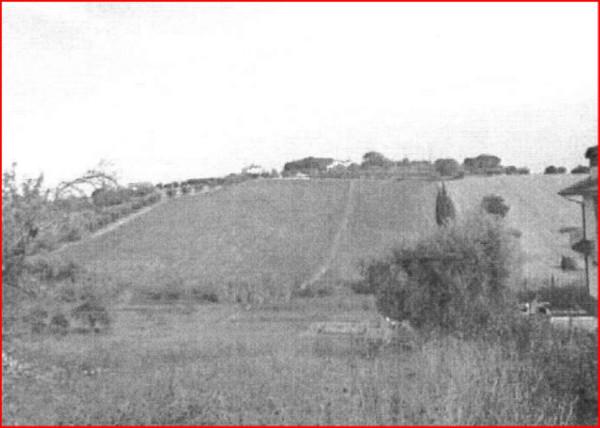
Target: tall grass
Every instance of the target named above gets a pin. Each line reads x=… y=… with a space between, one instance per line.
x=274 y=378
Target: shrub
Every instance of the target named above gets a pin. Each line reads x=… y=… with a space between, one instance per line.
x=523 y=171
x=444 y=208
x=171 y=192
x=106 y=197
x=455 y=280
x=24 y=207
x=373 y=272
x=142 y=189
x=494 y=204
x=568 y=263
x=580 y=169
x=92 y=314
x=53 y=269
x=551 y=170
x=59 y=324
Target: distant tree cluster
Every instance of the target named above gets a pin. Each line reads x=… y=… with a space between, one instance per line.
x=580 y=169
x=377 y=165
x=310 y=166
x=555 y=170
x=447 y=167
x=376 y=159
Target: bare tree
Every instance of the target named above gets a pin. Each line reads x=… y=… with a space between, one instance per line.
x=99 y=177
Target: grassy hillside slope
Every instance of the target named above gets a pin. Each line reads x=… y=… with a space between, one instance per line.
x=259 y=232
x=384 y=214
x=536 y=210
x=287 y=233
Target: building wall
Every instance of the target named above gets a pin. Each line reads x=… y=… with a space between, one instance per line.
x=591 y=233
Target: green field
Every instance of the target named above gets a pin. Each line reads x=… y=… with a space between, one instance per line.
x=281 y=234
x=537 y=211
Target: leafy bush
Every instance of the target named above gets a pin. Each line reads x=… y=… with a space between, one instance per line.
x=106 y=197
x=551 y=170
x=568 y=263
x=455 y=280
x=494 y=204
x=59 y=324
x=444 y=207
x=53 y=269
x=580 y=169
x=373 y=272
x=142 y=189
x=24 y=207
x=92 y=314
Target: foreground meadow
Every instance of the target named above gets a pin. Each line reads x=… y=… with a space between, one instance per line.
x=218 y=364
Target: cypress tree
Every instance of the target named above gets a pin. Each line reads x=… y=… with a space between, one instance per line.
x=444 y=208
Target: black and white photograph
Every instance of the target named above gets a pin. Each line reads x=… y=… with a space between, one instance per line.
x=299 y=213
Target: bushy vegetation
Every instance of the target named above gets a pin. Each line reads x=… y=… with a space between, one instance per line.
x=555 y=170
x=454 y=281
x=25 y=210
x=307 y=165
x=37 y=219
x=568 y=263
x=447 y=167
x=457 y=283
x=62 y=298
x=377 y=165
x=581 y=169
x=495 y=205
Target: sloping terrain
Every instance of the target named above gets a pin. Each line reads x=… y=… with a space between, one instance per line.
x=536 y=210
x=258 y=232
x=290 y=233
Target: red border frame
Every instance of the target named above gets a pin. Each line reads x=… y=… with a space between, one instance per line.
x=285 y=1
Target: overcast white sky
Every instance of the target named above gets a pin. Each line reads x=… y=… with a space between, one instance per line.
x=174 y=91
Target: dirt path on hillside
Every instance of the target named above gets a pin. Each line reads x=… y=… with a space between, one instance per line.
x=335 y=245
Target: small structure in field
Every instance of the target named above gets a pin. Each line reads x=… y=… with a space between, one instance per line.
x=298 y=176
x=586 y=192
x=381 y=332
x=566 y=319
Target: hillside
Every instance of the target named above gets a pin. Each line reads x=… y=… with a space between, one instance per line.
x=254 y=233
x=536 y=210
x=288 y=233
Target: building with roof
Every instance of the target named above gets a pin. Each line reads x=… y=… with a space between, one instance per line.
x=586 y=194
